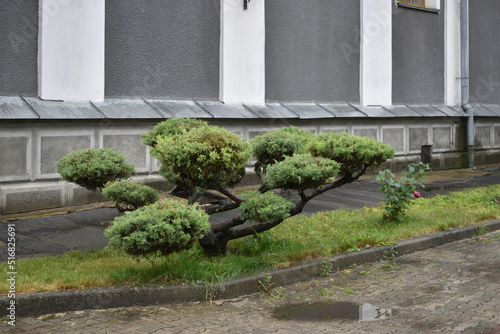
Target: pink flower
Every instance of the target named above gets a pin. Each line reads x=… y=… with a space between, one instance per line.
x=417 y=194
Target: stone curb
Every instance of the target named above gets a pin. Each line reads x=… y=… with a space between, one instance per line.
x=63 y=301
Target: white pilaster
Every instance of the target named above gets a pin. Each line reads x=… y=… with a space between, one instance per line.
x=71 y=50
x=242 y=52
x=433 y=4
x=376 y=52
x=452 y=53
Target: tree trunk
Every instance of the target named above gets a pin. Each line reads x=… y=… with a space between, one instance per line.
x=214 y=244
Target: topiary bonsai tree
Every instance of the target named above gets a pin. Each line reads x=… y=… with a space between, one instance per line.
x=198 y=156
x=274 y=146
x=92 y=168
x=130 y=195
x=159 y=229
x=204 y=158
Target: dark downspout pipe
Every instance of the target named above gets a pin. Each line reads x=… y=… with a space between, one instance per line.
x=464 y=46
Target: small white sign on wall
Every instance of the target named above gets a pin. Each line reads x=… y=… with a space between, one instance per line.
x=428 y=5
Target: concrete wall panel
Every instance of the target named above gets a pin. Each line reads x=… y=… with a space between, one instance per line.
x=312 y=50
x=15 y=155
x=496 y=133
x=482 y=137
x=83 y=196
x=131 y=145
x=418 y=56
x=32 y=200
x=253 y=134
x=441 y=138
x=334 y=129
x=18 y=47
x=162 y=48
x=394 y=137
x=53 y=148
x=366 y=132
x=417 y=137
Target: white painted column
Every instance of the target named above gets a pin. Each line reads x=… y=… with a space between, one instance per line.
x=452 y=89
x=242 y=52
x=376 y=52
x=71 y=50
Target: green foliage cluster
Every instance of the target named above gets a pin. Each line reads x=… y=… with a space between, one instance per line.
x=301 y=172
x=174 y=126
x=399 y=192
x=202 y=156
x=262 y=207
x=352 y=152
x=274 y=146
x=93 y=168
x=130 y=195
x=158 y=229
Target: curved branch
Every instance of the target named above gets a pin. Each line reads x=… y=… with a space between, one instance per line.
x=302 y=195
x=243 y=231
x=263 y=188
x=216 y=208
x=235 y=198
x=348 y=178
x=194 y=197
x=226 y=225
x=234 y=228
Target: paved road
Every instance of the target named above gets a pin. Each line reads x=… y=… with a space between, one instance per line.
x=449 y=289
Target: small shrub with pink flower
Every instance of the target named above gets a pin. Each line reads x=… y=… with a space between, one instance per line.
x=398 y=193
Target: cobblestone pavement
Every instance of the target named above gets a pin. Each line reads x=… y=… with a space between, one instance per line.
x=449 y=289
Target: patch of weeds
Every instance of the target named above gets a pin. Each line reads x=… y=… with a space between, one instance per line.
x=265 y=285
x=325 y=292
x=480 y=230
x=278 y=293
x=443 y=227
x=481 y=239
x=353 y=249
x=352 y=266
x=327 y=268
x=210 y=290
x=388 y=262
x=364 y=272
x=51 y=316
x=349 y=291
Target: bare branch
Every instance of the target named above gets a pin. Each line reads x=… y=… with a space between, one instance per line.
x=226 y=225
x=215 y=208
x=194 y=197
x=235 y=198
x=302 y=195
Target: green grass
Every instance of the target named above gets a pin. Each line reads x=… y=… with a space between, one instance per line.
x=298 y=238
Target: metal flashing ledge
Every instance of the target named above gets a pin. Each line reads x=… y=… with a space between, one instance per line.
x=18 y=107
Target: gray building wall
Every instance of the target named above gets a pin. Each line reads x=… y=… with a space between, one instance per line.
x=162 y=48
x=418 y=56
x=484 y=51
x=312 y=50
x=18 y=47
